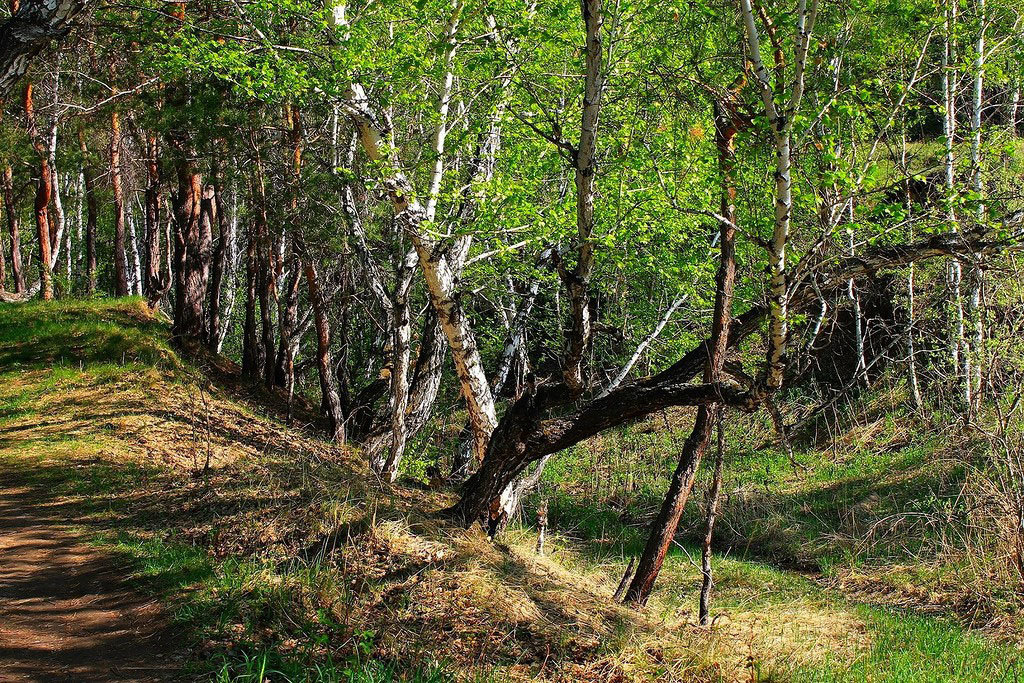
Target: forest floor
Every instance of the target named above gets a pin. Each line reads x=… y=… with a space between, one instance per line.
x=272 y=555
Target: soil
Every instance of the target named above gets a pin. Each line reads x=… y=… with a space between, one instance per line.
x=66 y=611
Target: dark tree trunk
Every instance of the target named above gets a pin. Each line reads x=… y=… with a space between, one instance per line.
x=538 y=423
x=191 y=252
x=288 y=310
x=664 y=529
x=13 y=231
x=152 y=283
x=328 y=391
x=120 y=253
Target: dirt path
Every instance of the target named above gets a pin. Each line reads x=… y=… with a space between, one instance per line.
x=66 y=613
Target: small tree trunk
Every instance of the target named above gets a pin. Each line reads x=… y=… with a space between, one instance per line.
x=976 y=341
x=288 y=308
x=135 y=272
x=858 y=318
x=959 y=356
x=1012 y=115
x=3 y=265
x=542 y=525
x=91 y=211
x=230 y=226
x=709 y=526
x=401 y=334
x=214 y=207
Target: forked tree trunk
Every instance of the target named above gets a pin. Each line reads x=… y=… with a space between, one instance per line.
x=727 y=125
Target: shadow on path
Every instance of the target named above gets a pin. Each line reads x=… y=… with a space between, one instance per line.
x=66 y=612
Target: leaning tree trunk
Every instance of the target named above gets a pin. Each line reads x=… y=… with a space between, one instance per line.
x=56 y=214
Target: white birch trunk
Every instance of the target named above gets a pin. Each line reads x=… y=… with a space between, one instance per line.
x=975 y=278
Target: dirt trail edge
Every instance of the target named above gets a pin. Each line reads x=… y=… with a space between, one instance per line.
x=66 y=613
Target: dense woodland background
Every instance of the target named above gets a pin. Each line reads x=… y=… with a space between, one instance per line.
x=468 y=238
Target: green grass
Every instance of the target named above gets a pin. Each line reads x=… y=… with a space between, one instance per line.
x=909 y=648
x=82 y=332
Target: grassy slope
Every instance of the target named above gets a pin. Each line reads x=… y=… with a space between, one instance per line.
x=287 y=560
